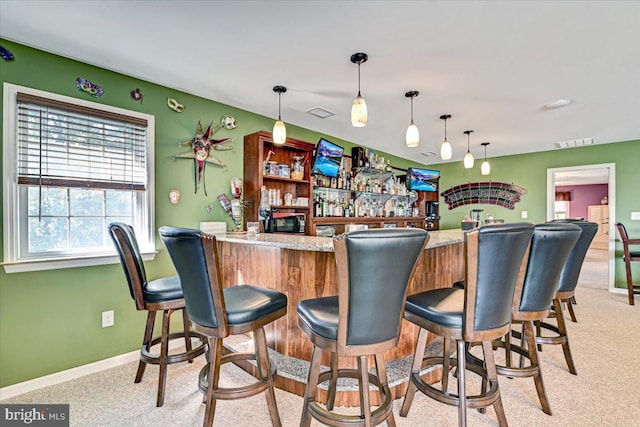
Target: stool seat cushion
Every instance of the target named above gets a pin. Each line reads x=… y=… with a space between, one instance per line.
x=246 y=303
x=440 y=306
x=164 y=289
x=321 y=316
x=634 y=254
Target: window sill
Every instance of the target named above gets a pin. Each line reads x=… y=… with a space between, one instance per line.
x=55 y=264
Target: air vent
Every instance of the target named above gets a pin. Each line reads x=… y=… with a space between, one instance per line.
x=428 y=153
x=320 y=112
x=575 y=143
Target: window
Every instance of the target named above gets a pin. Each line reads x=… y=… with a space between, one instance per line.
x=70 y=168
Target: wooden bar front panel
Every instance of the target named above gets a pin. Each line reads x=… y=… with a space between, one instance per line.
x=302 y=274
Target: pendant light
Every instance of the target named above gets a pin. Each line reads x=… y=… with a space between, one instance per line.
x=445 y=148
x=359 y=107
x=485 y=169
x=279 y=130
x=413 y=135
x=468 y=158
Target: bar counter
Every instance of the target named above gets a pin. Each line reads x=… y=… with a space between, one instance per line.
x=303 y=267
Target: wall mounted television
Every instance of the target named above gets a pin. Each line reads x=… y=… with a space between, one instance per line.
x=327 y=159
x=422 y=179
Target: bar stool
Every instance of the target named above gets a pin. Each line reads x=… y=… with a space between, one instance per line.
x=549 y=249
x=629 y=256
x=217 y=313
x=565 y=291
x=161 y=294
x=373 y=269
x=481 y=312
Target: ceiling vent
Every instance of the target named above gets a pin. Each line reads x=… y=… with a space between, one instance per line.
x=575 y=143
x=320 y=112
x=428 y=153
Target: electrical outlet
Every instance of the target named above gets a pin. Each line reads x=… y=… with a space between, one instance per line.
x=635 y=216
x=525 y=214
x=107 y=319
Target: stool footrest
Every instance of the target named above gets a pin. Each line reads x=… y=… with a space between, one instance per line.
x=481 y=400
x=230 y=393
x=332 y=418
x=154 y=358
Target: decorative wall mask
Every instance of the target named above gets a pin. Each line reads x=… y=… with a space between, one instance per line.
x=136 y=95
x=492 y=193
x=174 y=196
x=201 y=147
x=6 y=55
x=175 y=106
x=91 y=88
x=228 y=122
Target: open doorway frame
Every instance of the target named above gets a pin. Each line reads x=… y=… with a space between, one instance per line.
x=551 y=197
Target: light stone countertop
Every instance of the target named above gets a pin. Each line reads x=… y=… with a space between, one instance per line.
x=325 y=244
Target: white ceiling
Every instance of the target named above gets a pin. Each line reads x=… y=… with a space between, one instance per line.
x=492 y=65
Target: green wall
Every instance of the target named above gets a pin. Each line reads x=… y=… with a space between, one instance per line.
x=50 y=320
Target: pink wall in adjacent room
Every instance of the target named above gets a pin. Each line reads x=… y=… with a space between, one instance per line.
x=584 y=195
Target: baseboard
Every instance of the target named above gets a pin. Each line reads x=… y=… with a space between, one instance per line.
x=73 y=373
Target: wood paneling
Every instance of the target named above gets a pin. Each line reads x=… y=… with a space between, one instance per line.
x=310 y=274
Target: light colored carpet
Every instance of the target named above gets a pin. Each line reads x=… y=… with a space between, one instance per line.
x=606 y=391
x=595 y=268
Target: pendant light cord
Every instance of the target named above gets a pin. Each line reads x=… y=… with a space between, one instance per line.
x=279 y=104
x=412 y=110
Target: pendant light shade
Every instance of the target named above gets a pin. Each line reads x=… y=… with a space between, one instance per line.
x=445 y=148
x=485 y=169
x=359 y=107
x=279 y=130
x=468 y=158
x=412 y=137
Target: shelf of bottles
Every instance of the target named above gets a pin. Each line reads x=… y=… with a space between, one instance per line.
x=361 y=193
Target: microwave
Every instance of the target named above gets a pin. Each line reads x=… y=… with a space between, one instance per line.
x=282 y=222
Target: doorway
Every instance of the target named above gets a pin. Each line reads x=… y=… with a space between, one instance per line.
x=598 y=269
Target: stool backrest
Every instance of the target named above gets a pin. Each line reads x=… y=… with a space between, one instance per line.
x=622 y=231
x=126 y=245
x=195 y=258
x=550 y=247
x=493 y=259
x=569 y=276
x=374 y=268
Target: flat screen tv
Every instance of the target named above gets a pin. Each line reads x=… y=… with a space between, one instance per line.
x=422 y=179
x=327 y=159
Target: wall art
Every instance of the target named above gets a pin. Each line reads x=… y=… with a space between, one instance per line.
x=491 y=193
x=91 y=88
x=136 y=95
x=175 y=105
x=6 y=55
x=201 y=151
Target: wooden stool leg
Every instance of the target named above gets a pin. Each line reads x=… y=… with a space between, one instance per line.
x=381 y=369
x=492 y=374
x=186 y=324
x=363 y=379
x=146 y=342
x=260 y=344
x=446 y=354
x=627 y=267
x=562 y=328
x=527 y=330
x=417 y=365
x=462 y=392
x=312 y=385
x=164 y=353
x=572 y=314
x=334 y=381
x=215 y=354
x=507 y=348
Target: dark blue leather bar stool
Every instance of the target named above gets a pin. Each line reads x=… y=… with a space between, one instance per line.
x=374 y=268
x=164 y=295
x=629 y=256
x=481 y=312
x=548 y=252
x=566 y=290
x=217 y=313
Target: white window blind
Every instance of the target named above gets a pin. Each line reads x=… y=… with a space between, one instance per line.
x=67 y=145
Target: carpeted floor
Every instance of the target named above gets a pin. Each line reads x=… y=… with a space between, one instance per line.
x=606 y=391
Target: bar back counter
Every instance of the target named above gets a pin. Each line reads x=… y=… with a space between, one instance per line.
x=303 y=267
